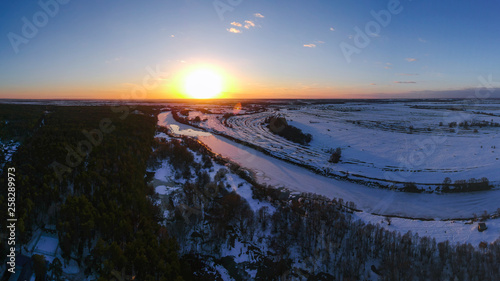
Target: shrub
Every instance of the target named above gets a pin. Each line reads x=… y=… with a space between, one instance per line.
x=335 y=157
x=411 y=187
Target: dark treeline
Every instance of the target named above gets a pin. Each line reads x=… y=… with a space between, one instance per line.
x=474 y=123
x=470 y=185
x=102 y=208
x=18 y=121
x=287 y=131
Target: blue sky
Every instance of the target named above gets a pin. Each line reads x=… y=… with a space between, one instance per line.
x=288 y=49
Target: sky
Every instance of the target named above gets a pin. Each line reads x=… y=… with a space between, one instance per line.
x=74 y=49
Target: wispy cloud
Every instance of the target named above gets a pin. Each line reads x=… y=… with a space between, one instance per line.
x=332 y=29
x=407 y=74
x=258 y=15
x=373 y=84
x=387 y=67
x=310 y=45
x=405 y=82
x=234 y=23
x=411 y=59
x=249 y=23
x=422 y=40
x=233 y=30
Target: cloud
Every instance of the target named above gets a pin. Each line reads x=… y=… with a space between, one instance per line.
x=310 y=45
x=332 y=29
x=249 y=23
x=411 y=59
x=234 y=23
x=405 y=82
x=373 y=84
x=407 y=74
x=258 y=15
x=233 y=30
x=387 y=67
x=422 y=40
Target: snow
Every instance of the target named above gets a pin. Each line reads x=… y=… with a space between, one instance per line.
x=165 y=173
x=8 y=148
x=47 y=245
x=164 y=190
x=71 y=267
x=453 y=231
x=223 y=272
x=162 y=135
x=161 y=189
x=243 y=189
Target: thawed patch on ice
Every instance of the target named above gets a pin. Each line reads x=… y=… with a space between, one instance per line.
x=188 y=132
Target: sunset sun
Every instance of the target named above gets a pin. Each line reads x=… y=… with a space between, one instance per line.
x=203 y=84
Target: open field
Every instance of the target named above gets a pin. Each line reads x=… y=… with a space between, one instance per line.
x=381 y=142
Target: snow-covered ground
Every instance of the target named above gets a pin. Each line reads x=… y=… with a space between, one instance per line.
x=454 y=231
x=275 y=172
x=47 y=246
x=395 y=141
x=8 y=148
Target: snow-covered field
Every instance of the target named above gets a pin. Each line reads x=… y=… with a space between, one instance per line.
x=387 y=141
x=372 y=201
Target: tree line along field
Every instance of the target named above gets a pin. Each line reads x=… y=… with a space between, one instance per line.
x=107 y=220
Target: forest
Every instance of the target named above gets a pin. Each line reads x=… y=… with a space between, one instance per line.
x=104 y=216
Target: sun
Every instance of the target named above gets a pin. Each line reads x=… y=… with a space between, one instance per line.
x=203 y=84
